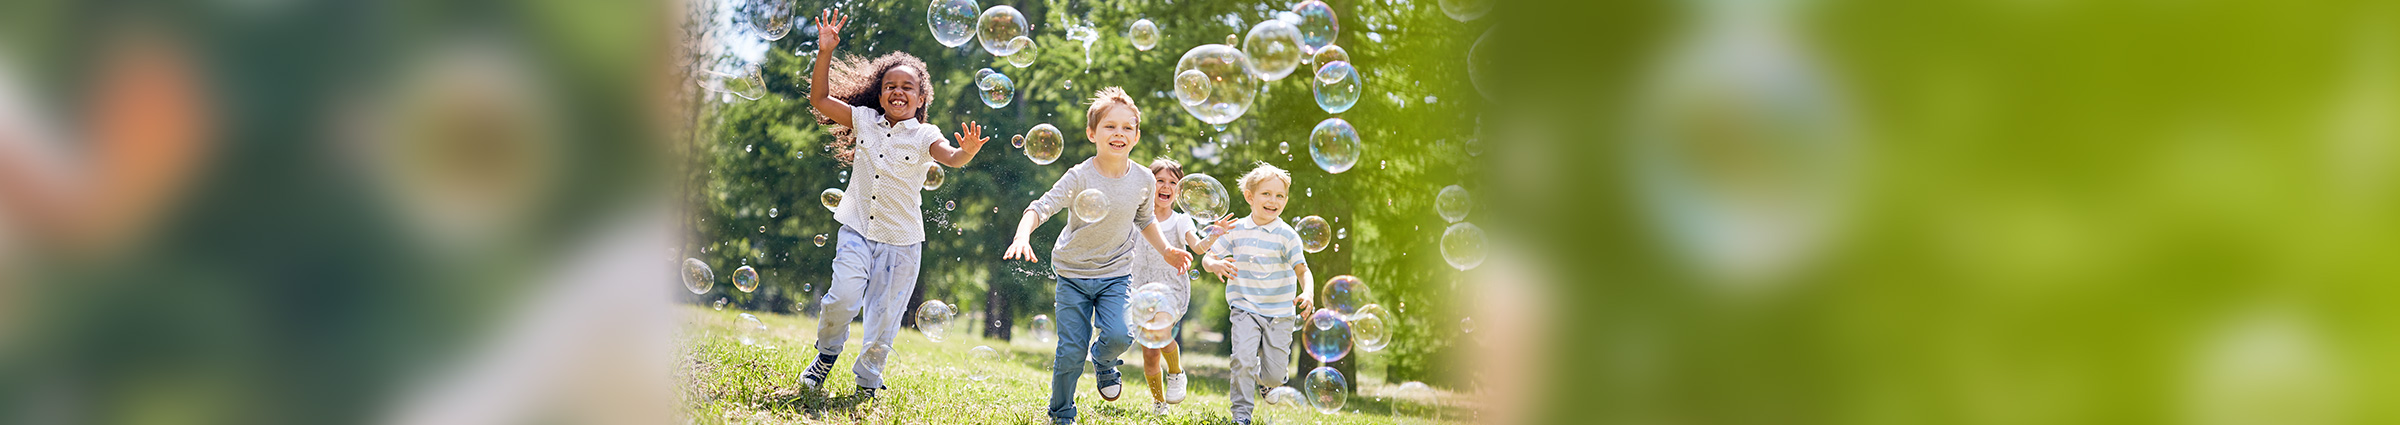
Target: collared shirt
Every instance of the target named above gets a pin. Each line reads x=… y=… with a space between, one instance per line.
x=1263 y=257
x=888 y=163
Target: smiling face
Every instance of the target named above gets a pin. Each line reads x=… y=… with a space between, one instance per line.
x=1116 y=133
x=1266 y=200
x=902 y=93
x=1166 y=186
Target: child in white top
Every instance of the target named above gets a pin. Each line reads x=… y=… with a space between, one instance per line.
x=1181 y=234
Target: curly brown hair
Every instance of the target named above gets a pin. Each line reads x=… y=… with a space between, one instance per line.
x=856 y=81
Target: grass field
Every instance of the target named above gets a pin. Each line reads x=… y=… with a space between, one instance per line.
x=722 y=381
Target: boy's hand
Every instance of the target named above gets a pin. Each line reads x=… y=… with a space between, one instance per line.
x=1176 y=257
x=829 y=28
x=1223 y=269
x=1301 y=303
x=970 y=136
x=1019 y=250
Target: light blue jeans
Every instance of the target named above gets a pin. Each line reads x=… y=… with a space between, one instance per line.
x=873 y=278
x=1084 y=304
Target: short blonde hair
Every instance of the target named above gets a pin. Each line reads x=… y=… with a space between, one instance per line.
x=1260 y=175
x=1102 y=99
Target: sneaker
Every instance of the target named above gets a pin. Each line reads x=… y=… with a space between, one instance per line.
x=1158 y=408
x=1062 y=421
x=1175 y=388
x=817 y=370
x=867 y=393
x=1110 y=390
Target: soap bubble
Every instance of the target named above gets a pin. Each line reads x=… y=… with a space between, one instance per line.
x=1283 y=147
x=1334 y=145
x=1229 y=84
x=998 y=90
x=745 y=279
x=997 y=26
x=771 y=213
x=1091 y=205
x=1452 y=203
x=932 y=317
x=879 y=352
x=1017 y=142
x=1466 y=10
x=697 y=277
x=1466 y=325
x=1370 y=327
x=952 y=21
x=820 y=240
x=832 y=197
x=1314 y=233
x=1284 y=406
x=1345 y=293
x=1462 y=246
x=771 y=18
x=1201 y=196
x=752 y=329
x=1025 y=52
x=744 y=82
x=1044 y=143
x=1144 y=35
x=1330 y=54
x=1337 y=86
x=1318 y=26
x=720 y=304
x=1326 y=335
x=950 y=205
x=1477 y=60
x=1327 y=390
x=1150 y=313
x=934 y=175
x=981 y=354
x=1274 y=49
x=1042 y=330
x=1285 y=396
x=980 y=82
x=1191 y=87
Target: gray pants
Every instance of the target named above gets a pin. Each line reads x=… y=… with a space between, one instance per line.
x=1262 y=347
x=875 y=277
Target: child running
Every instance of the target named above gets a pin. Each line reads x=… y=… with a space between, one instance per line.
x=1181 y=234
x=1095 y=259
x=876 y=108
x=1262 y=263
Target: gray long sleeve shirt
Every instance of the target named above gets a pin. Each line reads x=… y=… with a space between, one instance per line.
x=1104 y=248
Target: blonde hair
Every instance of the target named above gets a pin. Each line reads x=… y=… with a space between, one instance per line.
x=1101 y=100
x=1260 y=175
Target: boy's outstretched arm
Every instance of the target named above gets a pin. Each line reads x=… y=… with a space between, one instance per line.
x=1175 y=257
x=829 y=33
x=970 y=141
x=1036 y=213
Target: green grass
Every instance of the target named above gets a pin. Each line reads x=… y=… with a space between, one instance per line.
x=722 y=381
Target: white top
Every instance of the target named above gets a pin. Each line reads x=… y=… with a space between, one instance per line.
x=1263 y=257
x=888 y=163
x=1153 y=268
x=1104 y=248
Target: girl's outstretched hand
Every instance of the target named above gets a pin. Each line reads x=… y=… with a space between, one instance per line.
x=1019 y=250
x=829 y=28
x=971 y=136
x=1223 y=224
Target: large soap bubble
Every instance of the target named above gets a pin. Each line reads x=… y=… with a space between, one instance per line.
x=1467 y=10
x=1284 y=406
x=1327 y=390
x=1274 y=49
x=1151 y=314
x=1025 y=52
x=1329 y=54
x=697 y=277
x=832 y=198
x=1042 y=329
x=1337 y=86
x=1144 y=35
x=1477 y=60
x=1326 y=335
x=1314 y=233
x=1318 y=26
x=752 y=329
x=997 y=89
x=772 y=19
x=997 y=25
x=1453 y=203
x=1043 y=144
x=1201 y=196
x=1370 y=327
x=1191 y=87
x=932 y=318
x=745 y=279
x=1286 y=396
x=1334 y=145
x=1345 y=293
x=934 y=176
x=952 y=21
x=981 y=354
x=744 y=82
x=1462 y=246
x=1091 y=205
x=1230 y=86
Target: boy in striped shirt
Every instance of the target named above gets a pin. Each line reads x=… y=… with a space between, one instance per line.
x=1262 y=264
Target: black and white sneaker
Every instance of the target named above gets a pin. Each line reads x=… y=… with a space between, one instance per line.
x=818 y=369
x=867 y=393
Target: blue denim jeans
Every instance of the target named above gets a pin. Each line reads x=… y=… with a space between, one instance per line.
x=1084 y=304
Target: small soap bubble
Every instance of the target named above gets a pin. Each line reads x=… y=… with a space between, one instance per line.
x=832 y=197
x=752 y=329
x=1024 y=54
x=844 y=176
x=1191 y=87
x=1314 y=233
x=1462 y=246
x=720 y=304
x=1017 y=141
x=952 y=21
x=1044 y=143
x=997 y=26
x=998 y=90
x=745 y=83
x=1091 y=205
x=697 y=277
x=980 y=82
x=1370 y=328
x=1345 y=293
x=1336 y=86
x=820 y=240
x=951 y=205
x=771 y=213
x=981 y=354
x=932 y=317
x=1274 y=49
x=1467 y=10
x=1230 y=86
x=1329 y=54
x=1042 y=330
x=1466 y=324
x=1334 y=145
x=1343 y=233
x=745 y=279
x=1326 y=335
x=1283 y=147
x=1201 y=196
x=1327 y=390
x=1318 y=25
x=1452 y=203
x=934 y=176
x=1144 y=35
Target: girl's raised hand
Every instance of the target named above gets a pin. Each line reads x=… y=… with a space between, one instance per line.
x=971 y=135
x=829 y=28
x=1223 y=224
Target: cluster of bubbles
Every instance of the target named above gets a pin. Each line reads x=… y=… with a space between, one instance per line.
x=981 y=354
x=934 y=176
x=1334 y=145
x=832 y=197
x=933 y=317
x=1462 y=243
x=1091 y=205
x=994 y=88
x=1143 y=34
x=697 y=277
x=1201 y=196
x=1043 y=330
x=1152 y=312
x=745 y=279
x=1042 y=144
x=1315 y=234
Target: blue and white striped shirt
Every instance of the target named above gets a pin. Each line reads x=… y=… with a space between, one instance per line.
x=1263 y=257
